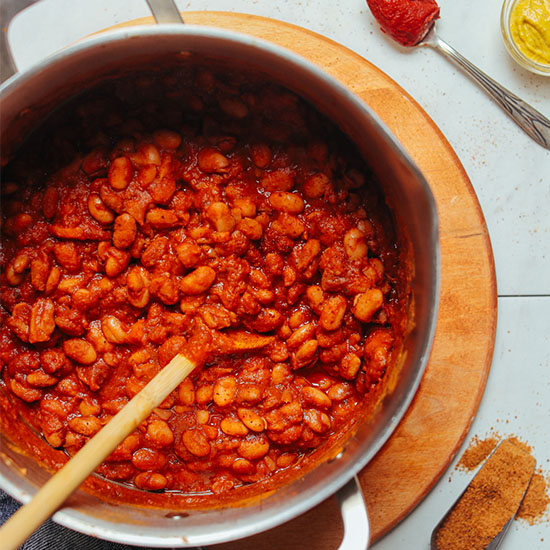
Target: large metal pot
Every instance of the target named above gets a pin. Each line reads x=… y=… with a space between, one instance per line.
x=407 y=192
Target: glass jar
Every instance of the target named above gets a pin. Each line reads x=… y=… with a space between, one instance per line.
x=513 y=49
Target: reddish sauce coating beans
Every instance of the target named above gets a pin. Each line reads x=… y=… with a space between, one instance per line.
x=182 y=198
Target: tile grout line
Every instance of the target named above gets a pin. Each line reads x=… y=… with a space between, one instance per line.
x=523 y=295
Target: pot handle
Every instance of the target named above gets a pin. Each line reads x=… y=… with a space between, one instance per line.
x=8 y=10
x=354 y=515
x=164 y=11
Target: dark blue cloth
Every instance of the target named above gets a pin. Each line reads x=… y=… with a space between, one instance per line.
x=51 y=536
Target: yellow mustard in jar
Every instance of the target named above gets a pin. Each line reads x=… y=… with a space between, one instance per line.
x=530 y=29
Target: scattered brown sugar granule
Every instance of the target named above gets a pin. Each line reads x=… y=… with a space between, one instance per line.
x=478 y=450
x=490 y=500
x=536 y=503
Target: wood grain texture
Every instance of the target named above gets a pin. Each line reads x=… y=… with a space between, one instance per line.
x=427 y=439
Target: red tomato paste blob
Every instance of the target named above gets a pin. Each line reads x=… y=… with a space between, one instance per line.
x=406 y=21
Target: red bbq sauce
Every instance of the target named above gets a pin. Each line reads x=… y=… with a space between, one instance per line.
x=406 y=21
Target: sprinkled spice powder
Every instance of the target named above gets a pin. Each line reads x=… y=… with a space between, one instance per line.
x=490 y=500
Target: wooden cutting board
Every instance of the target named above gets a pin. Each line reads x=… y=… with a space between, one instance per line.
x=428 y=437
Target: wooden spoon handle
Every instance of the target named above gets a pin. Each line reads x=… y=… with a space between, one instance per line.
x=46 y=501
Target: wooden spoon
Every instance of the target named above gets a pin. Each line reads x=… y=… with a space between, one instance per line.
x=46 y=501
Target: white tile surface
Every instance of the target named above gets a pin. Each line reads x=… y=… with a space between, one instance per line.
x=510 y=173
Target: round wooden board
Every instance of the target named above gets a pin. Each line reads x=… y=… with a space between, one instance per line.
x=437 y=422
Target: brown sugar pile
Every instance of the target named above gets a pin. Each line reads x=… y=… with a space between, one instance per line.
x=536 y=503
x=490 y=500
x=535 y=506
x=477 y=452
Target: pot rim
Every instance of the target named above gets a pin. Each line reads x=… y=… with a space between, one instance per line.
x=84 y=523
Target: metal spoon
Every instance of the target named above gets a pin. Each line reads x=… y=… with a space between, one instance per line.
x=533 y=123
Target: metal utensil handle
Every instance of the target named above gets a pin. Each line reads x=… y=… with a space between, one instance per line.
x=354 y=515
x=164 y=11
x=533 y=123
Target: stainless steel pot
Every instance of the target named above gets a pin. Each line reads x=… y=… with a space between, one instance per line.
x=409 y=196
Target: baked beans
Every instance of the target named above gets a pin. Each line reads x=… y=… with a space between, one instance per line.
x=187 y=199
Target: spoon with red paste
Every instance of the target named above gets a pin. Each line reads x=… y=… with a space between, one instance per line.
x=412 y=23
